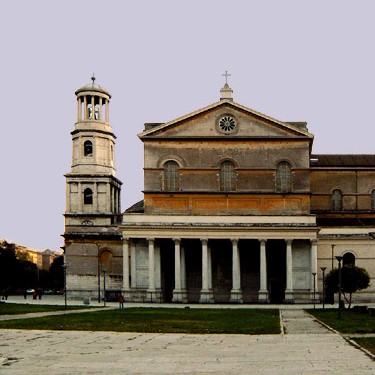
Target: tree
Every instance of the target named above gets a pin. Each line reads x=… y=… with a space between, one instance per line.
x=352 y=279
x=56 y=273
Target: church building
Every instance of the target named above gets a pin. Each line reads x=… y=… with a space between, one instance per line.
x=236 y=209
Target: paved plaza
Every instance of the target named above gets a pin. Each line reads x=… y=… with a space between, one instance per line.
x=302 y=347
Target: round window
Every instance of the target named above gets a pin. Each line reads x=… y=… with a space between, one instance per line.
x=227 y=124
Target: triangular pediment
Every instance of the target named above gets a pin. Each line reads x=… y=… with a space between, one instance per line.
x=225 y=119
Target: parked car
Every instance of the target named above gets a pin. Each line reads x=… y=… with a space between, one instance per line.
x=30 y=291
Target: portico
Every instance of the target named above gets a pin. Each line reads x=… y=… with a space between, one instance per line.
x=227 y=262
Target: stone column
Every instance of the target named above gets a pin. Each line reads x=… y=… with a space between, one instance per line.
x=157 y=268
x=92 y=107
x=289 y=273
x=206 y=293
x=78 y=109
x=100 y=116
x=151 y=265
x=263 y=291
x=183 y=269
x=236 y=293
x=95 y=197
x=178 y=295
x=133 y=265
x=204 y=265
x=85 y=114
x=80 y=197
x=209 y=266
x=125 y=264
x=314 y=267
x=107 y=111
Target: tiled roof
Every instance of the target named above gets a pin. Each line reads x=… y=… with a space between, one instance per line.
x=337 y=160
x=136 y=208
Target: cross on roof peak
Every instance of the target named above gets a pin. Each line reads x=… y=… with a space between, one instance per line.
x=93 y=78
x=226 y=75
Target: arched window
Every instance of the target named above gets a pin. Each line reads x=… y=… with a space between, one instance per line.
x=373 y=200
x=283 y=177
x=87 y=196
x=348 y=259
x=87 y=148
x=227 y=176
x=171 y=176
x=336 y=200
x=105 y=260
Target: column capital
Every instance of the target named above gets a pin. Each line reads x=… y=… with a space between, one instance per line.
x=262 y=241
x=289 y=242
x=125 y=239
x=234 y=241
x=204 y=241
x=176 y=241
x=314 y=242
x=150 y=239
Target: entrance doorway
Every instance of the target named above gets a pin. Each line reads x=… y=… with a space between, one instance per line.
x=193 y=266
x=167 y=268
x=276 y=270
x=221 y=260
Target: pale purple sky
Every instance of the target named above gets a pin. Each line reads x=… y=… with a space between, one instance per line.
x=296 y=60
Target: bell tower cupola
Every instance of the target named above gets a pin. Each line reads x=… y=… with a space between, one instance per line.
x=93 y=191
x=93 y=140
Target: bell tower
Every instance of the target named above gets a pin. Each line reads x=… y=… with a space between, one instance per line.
x=92 y=215
x=92 y=190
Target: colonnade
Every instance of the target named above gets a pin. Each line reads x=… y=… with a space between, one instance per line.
x=206 y=293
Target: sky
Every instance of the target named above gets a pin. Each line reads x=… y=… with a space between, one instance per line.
x=293 y=60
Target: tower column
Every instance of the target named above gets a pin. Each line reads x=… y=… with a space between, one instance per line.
x=85 y=108
x=92 y=114
x=107 y=111
x=96 y=200
x=79 y=197
x=79 y=109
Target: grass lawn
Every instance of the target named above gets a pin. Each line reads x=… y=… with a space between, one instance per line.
x=17 y=308
x=351 y=321
x=366 y=342
x=241 y=321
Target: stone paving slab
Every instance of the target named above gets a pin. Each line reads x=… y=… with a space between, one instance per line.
x=67 y=352
x=50 y=313
x=300 y=322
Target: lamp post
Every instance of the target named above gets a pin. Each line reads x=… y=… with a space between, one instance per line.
x=324 y=285
x=98 y=276
x=314 y=274
x=332 y=248
x=64 y=268
x=104 y=296
x=339 y=259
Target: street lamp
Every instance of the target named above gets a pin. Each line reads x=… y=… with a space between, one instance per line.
x=324 y=285
x=339 y=259
x=332 y=248
x=64 y=268
x=314 y=274
x=98 y=279
x=104 y=297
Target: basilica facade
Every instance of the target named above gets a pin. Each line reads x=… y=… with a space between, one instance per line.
x=237 y=209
